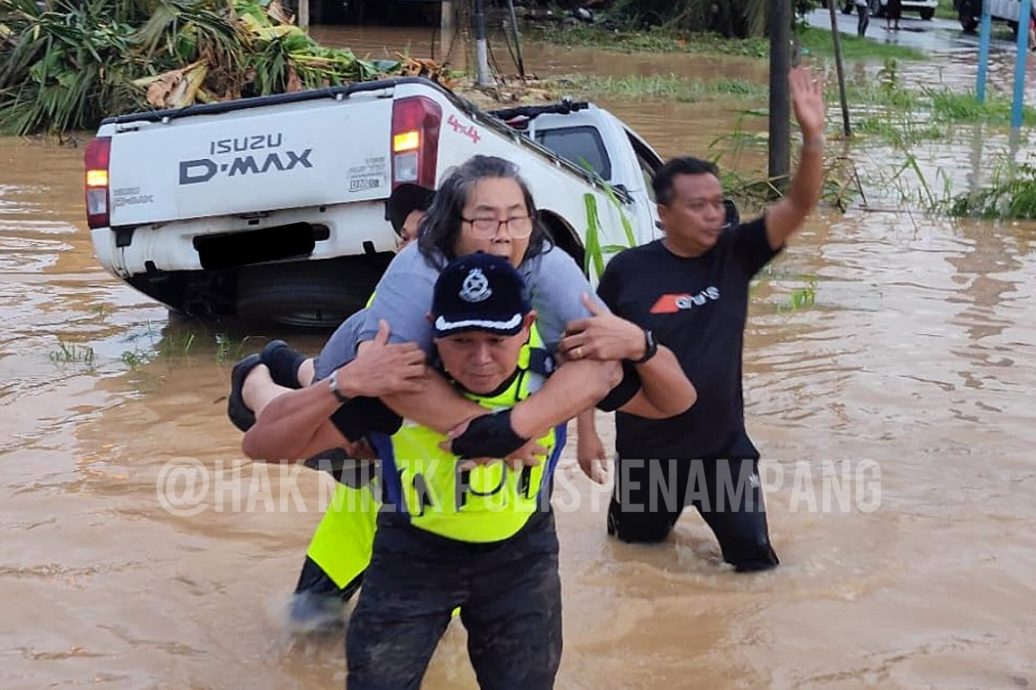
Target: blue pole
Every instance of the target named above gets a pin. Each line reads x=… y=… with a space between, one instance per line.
x=1019 y=63
x=985 y=32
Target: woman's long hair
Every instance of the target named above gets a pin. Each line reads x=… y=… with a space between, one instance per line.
x=441 y=227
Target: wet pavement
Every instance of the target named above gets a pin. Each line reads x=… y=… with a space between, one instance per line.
x=893 y=409
x=933 y=36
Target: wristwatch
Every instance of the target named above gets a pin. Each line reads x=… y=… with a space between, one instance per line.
x=650 y=347
x=332 y=382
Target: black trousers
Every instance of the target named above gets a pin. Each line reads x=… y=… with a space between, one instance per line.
x=650 y=495
x=510 y=598
x=863 y=19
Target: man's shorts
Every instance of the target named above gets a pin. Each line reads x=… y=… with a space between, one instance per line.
x=650 y=495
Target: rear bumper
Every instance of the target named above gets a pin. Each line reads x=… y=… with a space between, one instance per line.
x=352 y=229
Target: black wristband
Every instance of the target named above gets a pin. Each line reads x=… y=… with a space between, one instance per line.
x=360 y=416
x=650 y=347
x=488 y=436
x=624 y=392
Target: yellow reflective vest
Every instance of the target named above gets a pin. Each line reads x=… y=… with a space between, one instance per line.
x=481 y=504
x=485 y=504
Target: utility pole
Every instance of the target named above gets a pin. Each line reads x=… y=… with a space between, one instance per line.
x=517 y=40
x=447 y=28
x=841 y=70
x=780 y=103
x=481 y=48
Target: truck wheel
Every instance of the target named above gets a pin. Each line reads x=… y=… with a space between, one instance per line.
x=310 y=294
x=847 y=8
x=877 y=9
x=926 y=13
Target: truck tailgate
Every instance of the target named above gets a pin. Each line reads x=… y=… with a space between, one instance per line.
x=251 y=160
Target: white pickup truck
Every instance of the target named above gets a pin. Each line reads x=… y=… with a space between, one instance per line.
x=274 y=208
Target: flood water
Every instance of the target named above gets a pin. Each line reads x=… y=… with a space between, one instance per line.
x=894 y=415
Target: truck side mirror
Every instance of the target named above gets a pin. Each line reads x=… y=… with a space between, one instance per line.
x=623 y=193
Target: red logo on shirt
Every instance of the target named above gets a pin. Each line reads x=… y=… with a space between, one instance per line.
x=671 y=304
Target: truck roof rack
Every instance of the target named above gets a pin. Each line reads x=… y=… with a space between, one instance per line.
x=566 y=106
x=258 y=101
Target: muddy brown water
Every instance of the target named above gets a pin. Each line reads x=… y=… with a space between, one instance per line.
x=903 y=395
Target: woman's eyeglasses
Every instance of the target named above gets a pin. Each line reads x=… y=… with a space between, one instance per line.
x=484 y=228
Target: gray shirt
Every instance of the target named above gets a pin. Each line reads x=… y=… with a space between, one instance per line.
x=403 y=297
x=340 y=348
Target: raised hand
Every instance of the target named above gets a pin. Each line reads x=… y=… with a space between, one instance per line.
x=807 y=100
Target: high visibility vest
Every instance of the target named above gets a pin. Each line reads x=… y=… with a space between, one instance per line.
x=482 y=504
x=344 y=539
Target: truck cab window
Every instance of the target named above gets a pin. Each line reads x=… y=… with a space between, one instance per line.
x=648 y=161
x=581 y=146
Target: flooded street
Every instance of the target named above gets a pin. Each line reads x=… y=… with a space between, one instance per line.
x=894 y=413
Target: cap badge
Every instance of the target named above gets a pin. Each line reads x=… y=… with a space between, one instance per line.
x=476 y=287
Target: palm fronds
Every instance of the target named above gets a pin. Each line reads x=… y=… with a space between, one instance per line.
x=70 y=66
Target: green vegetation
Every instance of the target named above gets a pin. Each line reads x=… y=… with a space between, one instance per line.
x=666 y=40
x=648 y=41
x=177 y=342
x=72 y=353
x=818 y=42
x=802 y=297
x=1011 y=195
x=945 y=11
x=667 y=87
x=902 y=116
x=730 y=18
x=67 y=64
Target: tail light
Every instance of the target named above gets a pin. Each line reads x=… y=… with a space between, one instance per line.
x=415 y=140
x=96 y=159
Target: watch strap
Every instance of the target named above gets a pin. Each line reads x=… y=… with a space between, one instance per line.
x=650 y=347
x=332 y=382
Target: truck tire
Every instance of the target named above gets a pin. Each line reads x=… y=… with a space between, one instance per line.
x=877 y=9
x=847 y=8
x=926 y=13
x=308 y=294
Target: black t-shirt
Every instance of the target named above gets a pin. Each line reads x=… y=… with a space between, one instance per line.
x=697 y=308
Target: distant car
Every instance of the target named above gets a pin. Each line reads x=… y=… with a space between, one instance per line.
x=925 y=8
x=969 y=12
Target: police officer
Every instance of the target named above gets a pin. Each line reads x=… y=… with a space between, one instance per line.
x=479 y=536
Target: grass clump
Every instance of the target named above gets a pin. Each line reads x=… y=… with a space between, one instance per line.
x=819 y=42
x=72 y=353
x=667 y=87
x=950 y=106
x=1012 y=195
x=648 y=40
x=661 y=40
x=174 y=343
